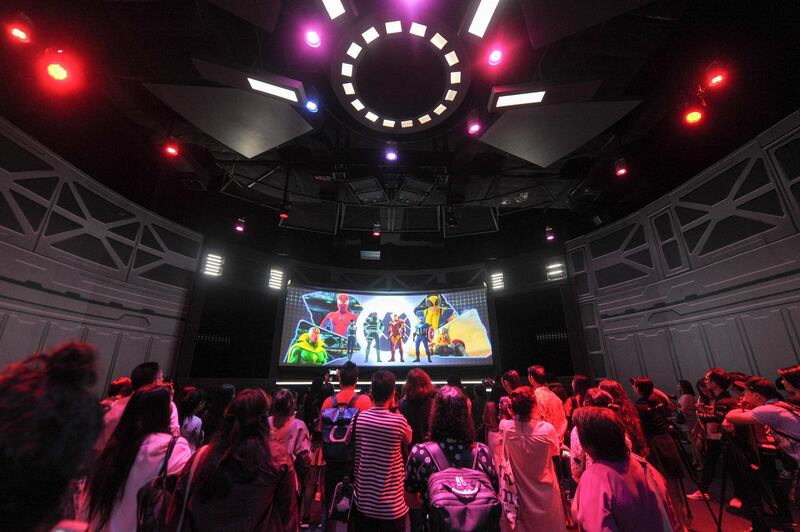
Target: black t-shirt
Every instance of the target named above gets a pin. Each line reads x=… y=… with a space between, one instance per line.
x=654 y=414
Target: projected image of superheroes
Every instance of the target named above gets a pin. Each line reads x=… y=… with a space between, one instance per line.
x=335 y=330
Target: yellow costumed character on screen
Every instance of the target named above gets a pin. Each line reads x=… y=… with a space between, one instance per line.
x=308 y=349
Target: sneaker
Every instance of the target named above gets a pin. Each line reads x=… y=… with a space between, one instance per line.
x=698 y=496
x=735 y=503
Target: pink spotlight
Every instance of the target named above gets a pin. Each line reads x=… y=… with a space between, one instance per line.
x=473 y=128
x=313 y=39
x=239 y=225
x=495 y=57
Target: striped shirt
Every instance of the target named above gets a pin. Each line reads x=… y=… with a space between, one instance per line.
x=380 y=436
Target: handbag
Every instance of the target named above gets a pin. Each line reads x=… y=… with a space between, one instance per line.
x=153 y=499
x=509 y=496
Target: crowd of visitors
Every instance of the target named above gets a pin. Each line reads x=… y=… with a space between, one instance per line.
x=411 y=458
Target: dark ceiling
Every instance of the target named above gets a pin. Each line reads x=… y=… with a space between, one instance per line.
x=617 y=72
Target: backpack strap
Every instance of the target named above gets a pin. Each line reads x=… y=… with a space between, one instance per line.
x=170 y=447
x=439 y=459
x=334 y=402
x=353 y=400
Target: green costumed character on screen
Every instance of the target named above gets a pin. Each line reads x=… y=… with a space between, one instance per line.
x=308 y=349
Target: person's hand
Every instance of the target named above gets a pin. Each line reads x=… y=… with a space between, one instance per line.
x=727 y=426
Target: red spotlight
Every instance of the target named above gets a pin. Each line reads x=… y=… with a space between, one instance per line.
x=171 y=149
x=716 y=76
x=620 y=167
x=284 y=215
x=60 y=71
x=693 y=116
x=57 y=71
x=19 y=32
x=473 y=128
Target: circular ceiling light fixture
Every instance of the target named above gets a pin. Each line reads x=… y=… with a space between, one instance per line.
x=400 y=76
x=495 y=56
x=313 y=39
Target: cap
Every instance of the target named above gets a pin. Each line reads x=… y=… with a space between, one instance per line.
x=760 y=385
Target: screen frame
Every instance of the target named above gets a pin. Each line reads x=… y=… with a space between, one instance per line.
x=278 y=371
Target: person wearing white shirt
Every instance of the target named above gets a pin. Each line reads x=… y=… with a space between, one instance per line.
x=134 y=455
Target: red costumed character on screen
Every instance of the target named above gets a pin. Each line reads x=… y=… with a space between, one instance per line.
x=341 y=317
x=397 y=330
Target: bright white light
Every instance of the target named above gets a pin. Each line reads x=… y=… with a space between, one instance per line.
x=438 y=41
x=347 y=70
x=418 y=29
x=372 y=117
x=394 y=26
x=354 y=50
x=348 y=88
x=274 y=90
x=370 y=35
x=357 y=104
x=455 y=77
x=213 y=265
x=556 y=266
x=407 y=123
x=275 y=279
x=483 y=15
x=424 y=119
x=451 y=95
x=440 y=109
x=334 y=8
x=451 y=58
x=388 y=123
x=496 y=280
x=523 y=98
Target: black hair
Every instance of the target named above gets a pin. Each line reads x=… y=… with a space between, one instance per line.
x=538 y=374
x=686 y=387
x=121 y=386
x=523 y=400
x=479 y=390
x=719 y=377
x=48 y=421
x=602 y=433
x=454 y=380
x=348 y=374
x=191 y=398
x=643 y=385
x=512 y=378
x=147 y=412
x=383 y=383
x=450 y=416
x=581 y=384
x=240 y=450
x=145 y=373
x=283 y=403
x=597 y=397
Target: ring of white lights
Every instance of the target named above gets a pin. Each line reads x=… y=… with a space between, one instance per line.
x=443 y=41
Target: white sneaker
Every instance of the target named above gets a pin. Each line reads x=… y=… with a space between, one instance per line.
x=735 y=503
x=698 y=496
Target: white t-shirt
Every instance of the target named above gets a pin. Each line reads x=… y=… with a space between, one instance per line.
x=784 y=424
x=114 y=414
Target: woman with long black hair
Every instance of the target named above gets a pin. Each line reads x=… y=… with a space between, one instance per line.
x=242 y=480
x=132 y=458
x=191 y=404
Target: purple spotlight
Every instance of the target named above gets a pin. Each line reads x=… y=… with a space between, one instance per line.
x=239 y=225
x=474 y=127
x=495 y=57
x=390 y=151
x=391 y=156
x=549 y=234
x=313 y=39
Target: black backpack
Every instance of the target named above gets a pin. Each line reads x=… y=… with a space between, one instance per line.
x=460 y=499
x=336 y=422
x=153 y=499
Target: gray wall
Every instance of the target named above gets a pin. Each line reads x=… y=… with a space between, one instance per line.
x=708 y=275
x=78 y=261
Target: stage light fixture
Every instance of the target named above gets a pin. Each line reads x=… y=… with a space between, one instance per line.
x=482 y=18
x=495 y=56
x=171 y=149
x=549 y=234
x=213 y=265
x=716 y=75
x=390 y=151
x=239 y=226
x=555 y=271
x=284 y=213
x=275 y=279
x=474 y=125
x=693 y=115
x=312 y=106
x=273 y=90
x=620 y=167
x=313 y=39
x=376 y=229
x=335 y=8
x=496 y=281
x=19 y=32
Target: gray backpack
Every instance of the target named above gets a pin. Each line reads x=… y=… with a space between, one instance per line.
x=461 y=498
